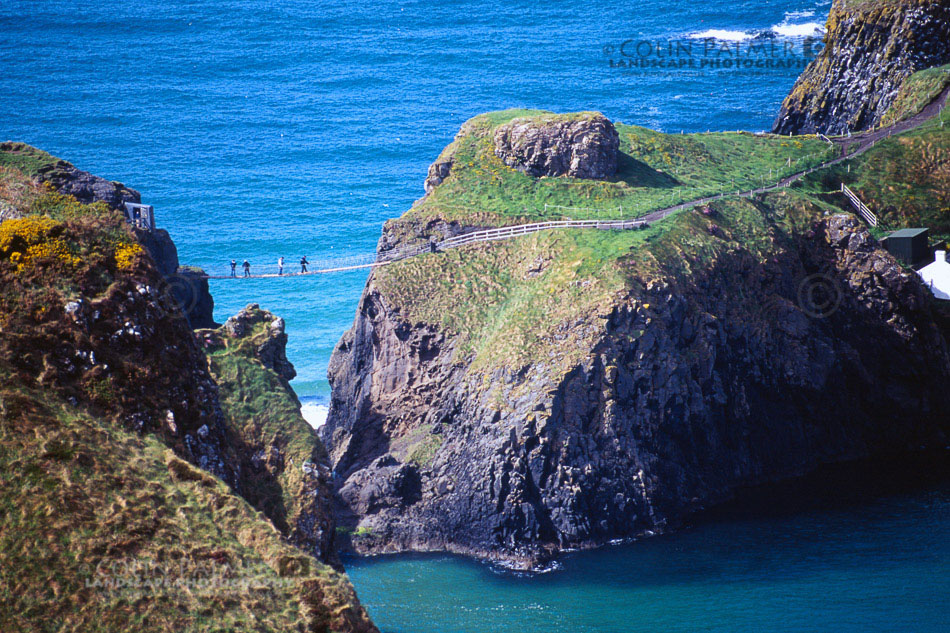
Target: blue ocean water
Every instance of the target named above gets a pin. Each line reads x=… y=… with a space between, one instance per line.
x=878 y=565
x=261 y=129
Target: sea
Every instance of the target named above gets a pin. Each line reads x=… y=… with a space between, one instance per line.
x=296 y=128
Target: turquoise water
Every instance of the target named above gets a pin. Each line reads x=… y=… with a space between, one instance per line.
x=260 y=129
x=879 y=565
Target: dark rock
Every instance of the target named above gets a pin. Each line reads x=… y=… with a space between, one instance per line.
x=187 y=286
x=190 y=288
x=438 y=171
x=693 y=391
x=86 y=187
x=870 y=49
x=579 y=147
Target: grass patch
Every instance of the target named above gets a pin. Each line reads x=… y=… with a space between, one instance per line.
x=121 y=534
x=905 y=179
x=545 y=297
x=655 y=171
x=916 y=92
x=27 y=159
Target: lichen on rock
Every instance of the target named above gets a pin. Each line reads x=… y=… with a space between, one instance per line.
x=579 y=146
x=871 y=47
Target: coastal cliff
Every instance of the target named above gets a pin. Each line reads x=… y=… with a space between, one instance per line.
x=284 y=469
x=870 y=48
x=570 y=388
x=183 y=285
x=146 y=482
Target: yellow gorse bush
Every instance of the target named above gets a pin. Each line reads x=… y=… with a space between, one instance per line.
x=125 y=254
x=24 y=240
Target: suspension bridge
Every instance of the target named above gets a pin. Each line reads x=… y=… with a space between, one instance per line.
x=850 y=146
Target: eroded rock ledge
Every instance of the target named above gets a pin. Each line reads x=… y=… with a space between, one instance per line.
x=579 y=146
x=870 y=49
x=696 y=387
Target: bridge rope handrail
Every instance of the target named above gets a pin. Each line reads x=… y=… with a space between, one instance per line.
x=865 y=141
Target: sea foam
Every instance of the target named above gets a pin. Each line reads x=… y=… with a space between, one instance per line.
x=807 y=29
x=315 y=414
x=722 y=34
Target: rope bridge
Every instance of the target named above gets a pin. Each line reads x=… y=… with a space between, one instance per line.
x=372 y=260
x=851 y=147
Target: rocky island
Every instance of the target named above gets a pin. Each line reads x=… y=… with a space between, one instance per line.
x=509 y=399
x=567 y=389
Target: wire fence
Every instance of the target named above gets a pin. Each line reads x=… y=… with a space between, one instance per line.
x=636 y=217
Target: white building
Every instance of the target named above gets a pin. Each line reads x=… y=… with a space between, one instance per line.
x=937 y=275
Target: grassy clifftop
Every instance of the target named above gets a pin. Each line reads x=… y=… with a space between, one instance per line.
x=530 y=299
x=656 y=170
x=110 y=430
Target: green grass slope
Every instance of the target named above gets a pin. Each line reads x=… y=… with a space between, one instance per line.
x=905 y=179
x=105 y=530
x=655 y=171
x=545 y=297
x=104 y=525
x=916 y=92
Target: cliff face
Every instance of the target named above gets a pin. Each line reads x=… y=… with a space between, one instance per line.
x=871 y=47
x=284 y=468
x=731 y=376
x=569 y=388
x=185 y=286
x=123 y=461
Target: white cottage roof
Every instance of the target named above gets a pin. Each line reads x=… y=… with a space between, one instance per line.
x=937 y=275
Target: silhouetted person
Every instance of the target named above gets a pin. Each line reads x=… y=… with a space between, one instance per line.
x=303 y=264
x=247 y=268
x=233 y=268
x=280 y=266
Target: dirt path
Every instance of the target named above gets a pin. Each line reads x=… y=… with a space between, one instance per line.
x=851 y=146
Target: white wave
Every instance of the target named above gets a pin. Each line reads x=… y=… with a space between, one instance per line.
x=721 y=34
x=314 y=414
x=797 y=15
x=807 y=29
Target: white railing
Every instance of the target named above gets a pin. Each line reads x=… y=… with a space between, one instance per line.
x=506 y=232
x=859 y=206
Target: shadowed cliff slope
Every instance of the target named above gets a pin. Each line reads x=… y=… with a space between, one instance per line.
x=871 y=47
x=122 y=500
x=569 y=388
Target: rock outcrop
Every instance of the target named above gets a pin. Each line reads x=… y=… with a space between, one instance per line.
x=870 y=49
x=438 y=171
x=738 y=373
x=285 y=469
x=579 y=146
x=185 y=285
x=270 y=347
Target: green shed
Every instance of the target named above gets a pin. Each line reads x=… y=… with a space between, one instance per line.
x=909 y=246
